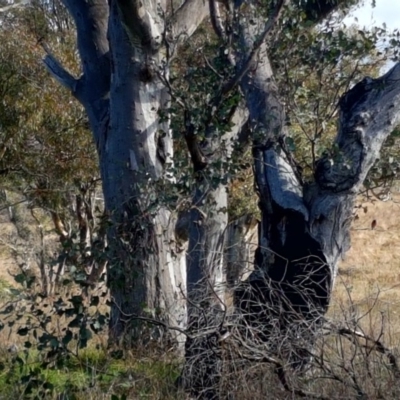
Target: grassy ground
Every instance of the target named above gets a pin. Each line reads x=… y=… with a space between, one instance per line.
x=369 y=277
x=367 y=293
x=93 y=375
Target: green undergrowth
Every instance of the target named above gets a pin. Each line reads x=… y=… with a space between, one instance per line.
x=93 y=374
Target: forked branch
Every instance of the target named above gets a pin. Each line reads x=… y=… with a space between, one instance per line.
x=216 y=19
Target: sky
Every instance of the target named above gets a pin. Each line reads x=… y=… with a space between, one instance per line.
x=385 y=11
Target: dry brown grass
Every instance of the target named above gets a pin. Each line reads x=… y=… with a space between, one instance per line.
x=367 y=292
x=369 y=277
x=7 y=261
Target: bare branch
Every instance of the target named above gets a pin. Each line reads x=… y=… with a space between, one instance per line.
x=60 y=73
x=255 y=355
x=216 y=19
x=15 y=5
x=91 y=19
x=368 y=114
x=164 y=325
x=268 y=30
x=186 y=19
x=370 y=343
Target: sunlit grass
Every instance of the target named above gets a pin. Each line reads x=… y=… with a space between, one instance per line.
x=94 y=374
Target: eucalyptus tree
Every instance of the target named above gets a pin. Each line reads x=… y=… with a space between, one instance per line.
x=168 y=256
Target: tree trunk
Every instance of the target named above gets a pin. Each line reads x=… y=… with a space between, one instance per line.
x=206 y=275
x=125 y=48
x=206 y=291
x=147 y=275
x=241 y=244
x=305 y=227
